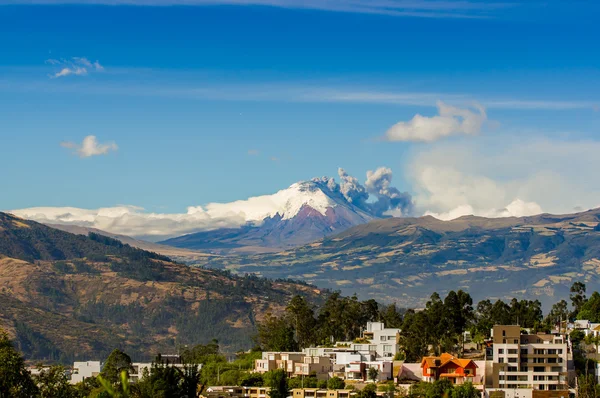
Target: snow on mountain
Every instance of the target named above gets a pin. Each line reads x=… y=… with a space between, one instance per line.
x=336 y=206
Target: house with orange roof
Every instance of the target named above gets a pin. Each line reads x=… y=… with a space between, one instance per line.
x=447 y=366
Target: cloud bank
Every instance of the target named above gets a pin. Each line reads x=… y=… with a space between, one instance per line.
x=450 y=121
x=135 y=221
x=505 y=176
x=90 y=147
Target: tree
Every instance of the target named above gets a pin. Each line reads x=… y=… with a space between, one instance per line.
x=440 y=388
x=588 y=388
x=335 y=383
x=302 y=317
x=590 y=309
x=276 y=334
x=115 y=364
x=370 y=391
x=391 y=316
x=577 y=297
x=116 y=390
x=277 y=381
x=373 y=373
x=466 y=390
x=559 y=313
x=15 y=380
x=54 y=383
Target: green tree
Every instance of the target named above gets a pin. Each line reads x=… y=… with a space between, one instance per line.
x=440 y=388
x=54 y=383
x=118 y=389
x=577 y=297
x=590 y=309
x=276 y=334
x=252 y=380
x=302 y=317
x=390 y=316
x=588 y=388
x=15 y=380
x=370 y=391
x=373 y=373
x=335 y=383
x=466 y=390
x=414 y=338
x=558 y=314
x=277 y=381
x=115 y=364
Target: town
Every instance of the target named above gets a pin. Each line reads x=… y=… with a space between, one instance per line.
x=513 y=363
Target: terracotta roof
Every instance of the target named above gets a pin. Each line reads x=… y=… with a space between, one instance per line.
x=444 y=359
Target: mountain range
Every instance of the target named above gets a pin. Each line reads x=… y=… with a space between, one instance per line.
x=66 y=296
x=404 y=260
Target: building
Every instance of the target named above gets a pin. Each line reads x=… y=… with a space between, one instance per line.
x=318 y=366
x=528 y=361
x=85 y=370
x=379 y=341
x=446 y=366
x=295 y=364
x=236 y=392
x=278 y=360
x=316 y=393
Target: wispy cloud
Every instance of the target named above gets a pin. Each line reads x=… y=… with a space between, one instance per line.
x=398 y=8
x=90 y=147
x=147 y=83
x=253 y=152
x=78 y=66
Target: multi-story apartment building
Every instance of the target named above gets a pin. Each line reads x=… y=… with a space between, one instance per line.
x=295 y=364
x=278 y=360
x=319 y=366
x=528 y=361
x=236 y=392
x=317 y=393
x=382 y=342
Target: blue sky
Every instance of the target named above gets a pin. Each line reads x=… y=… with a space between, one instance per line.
x=213 y=103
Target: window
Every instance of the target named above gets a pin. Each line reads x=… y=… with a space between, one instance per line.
x=512 y=351
x=382 y=338
x=512 y=360
x=500 y=360
x=524 y=369
x=559 y=351
x=512 y=369
x=516 y=341
x=503 y=333
x=538 y=368
x=523 y=351
x=387 y=348
x=501 y=351
x=372 y=348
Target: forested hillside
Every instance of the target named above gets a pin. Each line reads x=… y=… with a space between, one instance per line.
x=68 y=297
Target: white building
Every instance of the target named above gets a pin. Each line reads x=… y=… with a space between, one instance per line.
x=380 y=341
x=85 y=370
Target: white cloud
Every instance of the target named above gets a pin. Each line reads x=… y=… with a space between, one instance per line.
x=90 y=147
x=78 y=66
x=253 y=152
x=399 y=8
x=506 y=176
x=450 y=121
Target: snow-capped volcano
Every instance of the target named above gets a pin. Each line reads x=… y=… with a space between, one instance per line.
x=305 y=211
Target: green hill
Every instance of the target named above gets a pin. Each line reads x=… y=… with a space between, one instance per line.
x=66 y=297
x=406 y=259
